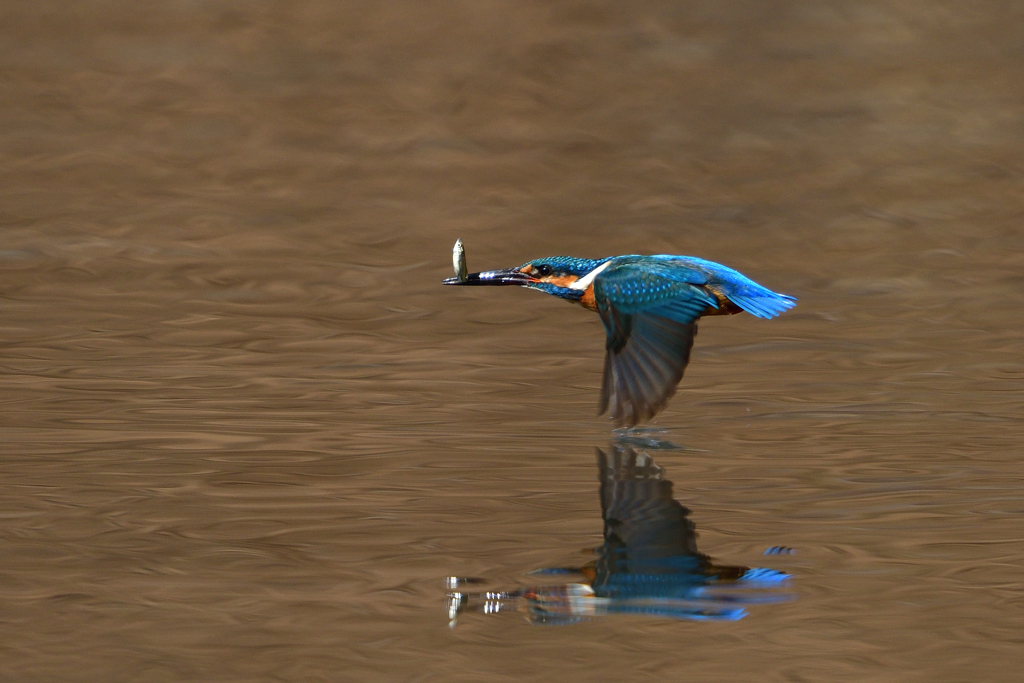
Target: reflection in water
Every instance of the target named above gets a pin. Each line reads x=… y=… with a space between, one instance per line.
x=648 y=563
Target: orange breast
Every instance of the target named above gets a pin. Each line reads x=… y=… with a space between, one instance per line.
x=587 y=300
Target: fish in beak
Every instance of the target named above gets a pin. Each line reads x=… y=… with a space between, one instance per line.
x=508 y=276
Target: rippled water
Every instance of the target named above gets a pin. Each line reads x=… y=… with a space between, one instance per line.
x=248 y=436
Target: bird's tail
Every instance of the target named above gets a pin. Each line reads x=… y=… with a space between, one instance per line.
x=764 y=305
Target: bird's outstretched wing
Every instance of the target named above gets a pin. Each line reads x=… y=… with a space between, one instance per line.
x=650 y=317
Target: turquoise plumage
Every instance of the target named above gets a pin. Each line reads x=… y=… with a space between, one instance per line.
x=649 y=306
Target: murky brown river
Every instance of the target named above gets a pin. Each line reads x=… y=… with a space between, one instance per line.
x=247 y=436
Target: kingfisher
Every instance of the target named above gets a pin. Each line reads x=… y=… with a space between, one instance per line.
x=649 y=306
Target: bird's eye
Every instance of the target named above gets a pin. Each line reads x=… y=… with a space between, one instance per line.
x=544 y=270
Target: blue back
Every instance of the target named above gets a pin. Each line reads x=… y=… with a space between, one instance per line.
x=737 y=287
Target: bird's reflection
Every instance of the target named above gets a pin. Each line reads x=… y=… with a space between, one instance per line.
x=648 y=564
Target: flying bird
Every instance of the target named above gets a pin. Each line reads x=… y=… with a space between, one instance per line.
x=649 y=306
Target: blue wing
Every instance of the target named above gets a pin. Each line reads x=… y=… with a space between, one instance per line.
x=649 y=306
x=649 y=314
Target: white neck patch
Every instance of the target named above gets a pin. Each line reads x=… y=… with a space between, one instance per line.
x=588 y=279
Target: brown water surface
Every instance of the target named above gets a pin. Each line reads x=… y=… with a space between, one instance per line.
x=246 y=434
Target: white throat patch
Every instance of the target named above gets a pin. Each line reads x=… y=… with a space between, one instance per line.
x=587 y=279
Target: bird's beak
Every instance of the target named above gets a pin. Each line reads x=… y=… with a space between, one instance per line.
x=508 y=276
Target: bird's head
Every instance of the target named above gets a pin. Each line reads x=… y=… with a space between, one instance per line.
x=555 y=275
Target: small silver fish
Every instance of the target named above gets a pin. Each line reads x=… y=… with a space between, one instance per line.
x=459 y=261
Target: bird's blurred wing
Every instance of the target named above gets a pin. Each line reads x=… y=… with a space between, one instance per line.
x=650 y=320
x=641 y=377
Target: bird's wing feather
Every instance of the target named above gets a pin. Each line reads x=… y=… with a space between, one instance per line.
x=641 y=377
x=650 y=319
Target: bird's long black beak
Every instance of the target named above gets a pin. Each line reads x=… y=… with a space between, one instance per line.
x=508 y=276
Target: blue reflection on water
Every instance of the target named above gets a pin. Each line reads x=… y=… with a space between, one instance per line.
x=648 y=563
